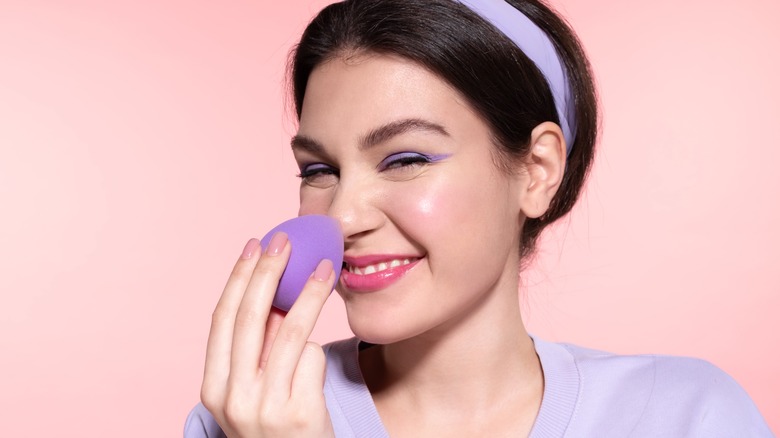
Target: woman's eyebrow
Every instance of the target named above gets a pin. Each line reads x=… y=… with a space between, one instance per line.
x=308 y=144
x=375 y=136
x=398 y=127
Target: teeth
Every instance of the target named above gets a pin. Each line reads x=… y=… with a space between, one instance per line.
x=379 y=267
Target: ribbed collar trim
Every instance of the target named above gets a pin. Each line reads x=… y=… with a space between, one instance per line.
x=559 y=401
x=561 y=390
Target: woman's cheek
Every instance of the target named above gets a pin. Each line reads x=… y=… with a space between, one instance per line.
x=423 y=210
x=314 y=202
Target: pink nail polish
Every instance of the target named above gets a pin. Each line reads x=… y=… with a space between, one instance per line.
x=250 y=248
x=322 y=273
x=277 y=243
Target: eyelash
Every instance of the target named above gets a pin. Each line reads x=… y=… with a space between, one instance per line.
x=305 y=174
x=407 y=159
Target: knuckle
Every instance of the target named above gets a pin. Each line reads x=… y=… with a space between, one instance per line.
x=294 y=332
x=249 y=318
x=219 y=316
x=315 y=293
x=269 y=417
x=314 y=351
x=302 y=418
x=236 y=412
x=210 y=399
x=241 y=269
x=268 y=267
x=299 y=420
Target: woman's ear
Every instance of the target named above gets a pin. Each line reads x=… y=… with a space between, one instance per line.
x=545 y=164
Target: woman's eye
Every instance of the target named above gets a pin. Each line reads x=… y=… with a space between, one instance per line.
x=319 y=175
x=403 y=160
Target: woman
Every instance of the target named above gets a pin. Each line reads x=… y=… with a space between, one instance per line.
x=444 y=136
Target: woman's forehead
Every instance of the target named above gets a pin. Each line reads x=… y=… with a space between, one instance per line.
x=375 y=89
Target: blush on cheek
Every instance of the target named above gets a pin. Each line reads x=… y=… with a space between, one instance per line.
x=424 y=210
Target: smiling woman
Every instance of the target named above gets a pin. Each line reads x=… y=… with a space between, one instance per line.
x=444 y=214
x=443 y=137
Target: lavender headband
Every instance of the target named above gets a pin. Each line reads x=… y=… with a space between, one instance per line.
x=537 y=46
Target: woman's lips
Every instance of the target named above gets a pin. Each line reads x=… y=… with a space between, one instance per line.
x=362 y=282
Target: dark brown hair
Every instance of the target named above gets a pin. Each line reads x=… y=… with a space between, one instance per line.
x=488 y=69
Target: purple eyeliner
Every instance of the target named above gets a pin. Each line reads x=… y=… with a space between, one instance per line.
x=402 y=156
x=438 y=157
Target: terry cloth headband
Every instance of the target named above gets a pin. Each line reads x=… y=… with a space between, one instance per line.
x=537 y=46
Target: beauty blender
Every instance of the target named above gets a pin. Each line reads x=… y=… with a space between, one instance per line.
x=313 y=238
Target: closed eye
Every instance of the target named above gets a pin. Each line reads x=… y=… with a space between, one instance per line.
x=319 y=175
x=404 y=160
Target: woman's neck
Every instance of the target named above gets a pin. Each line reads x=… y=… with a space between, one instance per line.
x=472 y=363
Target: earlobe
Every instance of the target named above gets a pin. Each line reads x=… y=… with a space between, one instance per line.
x=544 y=166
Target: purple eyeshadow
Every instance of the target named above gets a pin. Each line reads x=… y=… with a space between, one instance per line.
x=315 y=167
x=406 y=155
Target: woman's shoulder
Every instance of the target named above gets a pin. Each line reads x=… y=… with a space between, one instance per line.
x=680 y=373
x=672 y=376
x=653 y=393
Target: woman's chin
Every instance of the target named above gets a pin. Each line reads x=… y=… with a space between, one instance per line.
x=373 y=332
x=380 y=329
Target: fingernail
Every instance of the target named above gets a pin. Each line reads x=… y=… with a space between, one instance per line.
x=250 y=248
x=322 y=273
x=277 y=243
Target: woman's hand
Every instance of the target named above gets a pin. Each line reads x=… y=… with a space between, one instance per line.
x=262 y=377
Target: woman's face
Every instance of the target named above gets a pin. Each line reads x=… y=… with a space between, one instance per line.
x=406 y=166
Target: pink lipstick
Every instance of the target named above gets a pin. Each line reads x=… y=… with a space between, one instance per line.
x=374 y=272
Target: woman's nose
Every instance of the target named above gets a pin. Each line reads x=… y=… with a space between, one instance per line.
x=356 y=208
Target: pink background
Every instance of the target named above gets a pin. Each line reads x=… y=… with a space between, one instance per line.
x=142 y=143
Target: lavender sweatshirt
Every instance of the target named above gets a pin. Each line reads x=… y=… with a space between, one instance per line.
x=587 y=393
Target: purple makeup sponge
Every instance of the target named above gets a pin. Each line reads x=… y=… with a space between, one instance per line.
x=313 y=238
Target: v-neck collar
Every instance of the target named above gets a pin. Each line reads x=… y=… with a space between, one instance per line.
x=559 y=399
